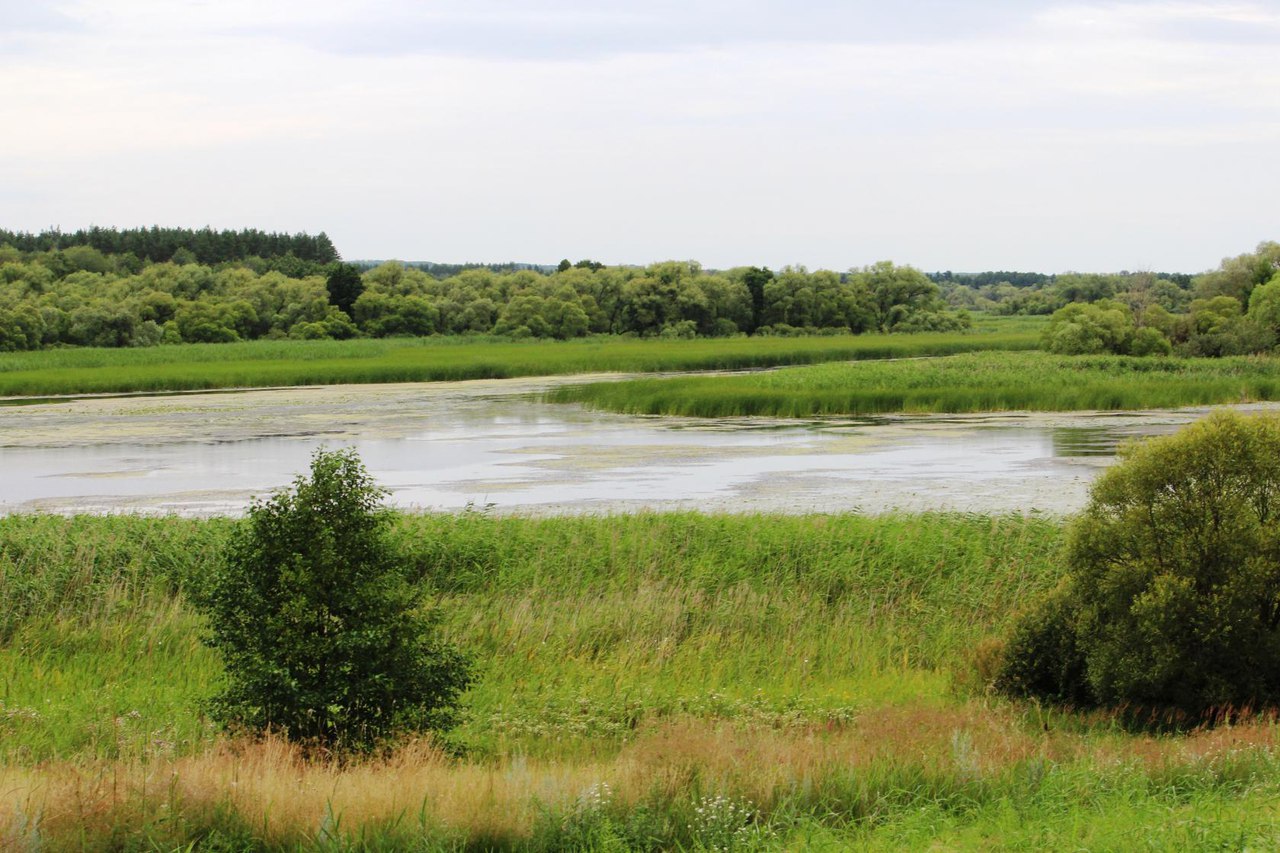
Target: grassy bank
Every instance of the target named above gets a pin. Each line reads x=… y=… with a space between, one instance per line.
x=972 y=382
x=814 y=674
x=284 y=363
x=583 y=625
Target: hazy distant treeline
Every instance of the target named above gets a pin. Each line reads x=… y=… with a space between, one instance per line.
x=131 y=246
x=1038 y=293
x=1233 y=310
x=439 y=270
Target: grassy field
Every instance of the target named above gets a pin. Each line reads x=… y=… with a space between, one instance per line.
x=283 y=363
x=671 y=681
x=971 y=382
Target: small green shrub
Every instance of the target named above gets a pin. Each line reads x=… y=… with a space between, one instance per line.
x=323 y=637
x=1174 y=596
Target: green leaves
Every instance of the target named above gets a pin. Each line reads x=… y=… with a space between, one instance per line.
x=1176 y=578
x=323 y=637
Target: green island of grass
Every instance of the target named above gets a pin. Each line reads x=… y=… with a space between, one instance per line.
x=258 y=364
x=970 y=382
x=658 y=681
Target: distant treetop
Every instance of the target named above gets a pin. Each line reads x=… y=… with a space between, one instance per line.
x=203 y=245
x=979 y=279
x=446 y=270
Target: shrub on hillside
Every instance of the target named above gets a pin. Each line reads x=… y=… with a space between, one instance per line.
x=1173 y=596
x=323 y=637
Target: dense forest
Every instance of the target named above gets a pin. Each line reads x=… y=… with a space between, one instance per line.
x=115 y=288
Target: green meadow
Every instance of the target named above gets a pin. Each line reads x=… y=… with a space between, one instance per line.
x=969 y=382
x=658 y=681
x=285 y=363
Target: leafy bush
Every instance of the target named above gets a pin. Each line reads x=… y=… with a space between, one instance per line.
x=1233 y=336
x=1173 y=600
x=1081 y=329
x=1043 y=657
x=323 y=637
x=1150 y=341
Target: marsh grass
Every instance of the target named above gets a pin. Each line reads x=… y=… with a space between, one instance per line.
x=581 y=627
x=971 y=382
x=790 y=676
x=286 y=363
x=970 y=777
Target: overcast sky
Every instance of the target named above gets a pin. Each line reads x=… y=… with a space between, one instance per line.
x=1048 y=136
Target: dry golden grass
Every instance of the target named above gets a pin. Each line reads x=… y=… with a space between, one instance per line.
x=273 y=787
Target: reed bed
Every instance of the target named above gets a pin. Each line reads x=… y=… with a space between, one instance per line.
x=582 y=627
x=658 y=681
x=287 y=363
x=971 y=382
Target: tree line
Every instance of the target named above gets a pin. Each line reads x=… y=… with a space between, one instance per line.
x=131 y=246
x=1023 y=293
x=83 y=296
x=1233 y=310
x=140 y=287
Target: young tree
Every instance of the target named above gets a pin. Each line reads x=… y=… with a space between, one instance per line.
x=323 y=638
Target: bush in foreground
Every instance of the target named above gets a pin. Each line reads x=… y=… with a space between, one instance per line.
x=1173 y=601
x=323 y=638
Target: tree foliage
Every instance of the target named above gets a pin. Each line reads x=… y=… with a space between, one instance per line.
x=195 y=302
x=85 y=249
x=1082 y=328
x=1237 y=277
x=1264 y=304
x=1173 y=595
x=344 y=287
x=324 y=638
x=183 y=282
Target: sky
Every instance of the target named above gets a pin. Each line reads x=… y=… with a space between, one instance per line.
x=1030 y=135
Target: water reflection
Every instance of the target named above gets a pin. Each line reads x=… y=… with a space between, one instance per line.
x=1103 y=440
x=1084 y=441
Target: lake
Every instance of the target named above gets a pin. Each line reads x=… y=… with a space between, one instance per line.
x=492 y=445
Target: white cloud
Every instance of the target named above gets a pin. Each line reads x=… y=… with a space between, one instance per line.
x=1142 y=19
x=835 y=135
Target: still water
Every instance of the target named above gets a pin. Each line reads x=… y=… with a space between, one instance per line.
x=493 y=445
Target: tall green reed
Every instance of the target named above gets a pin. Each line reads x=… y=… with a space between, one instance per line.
x=580 y=626
x=281 y=363
x=973 y=382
